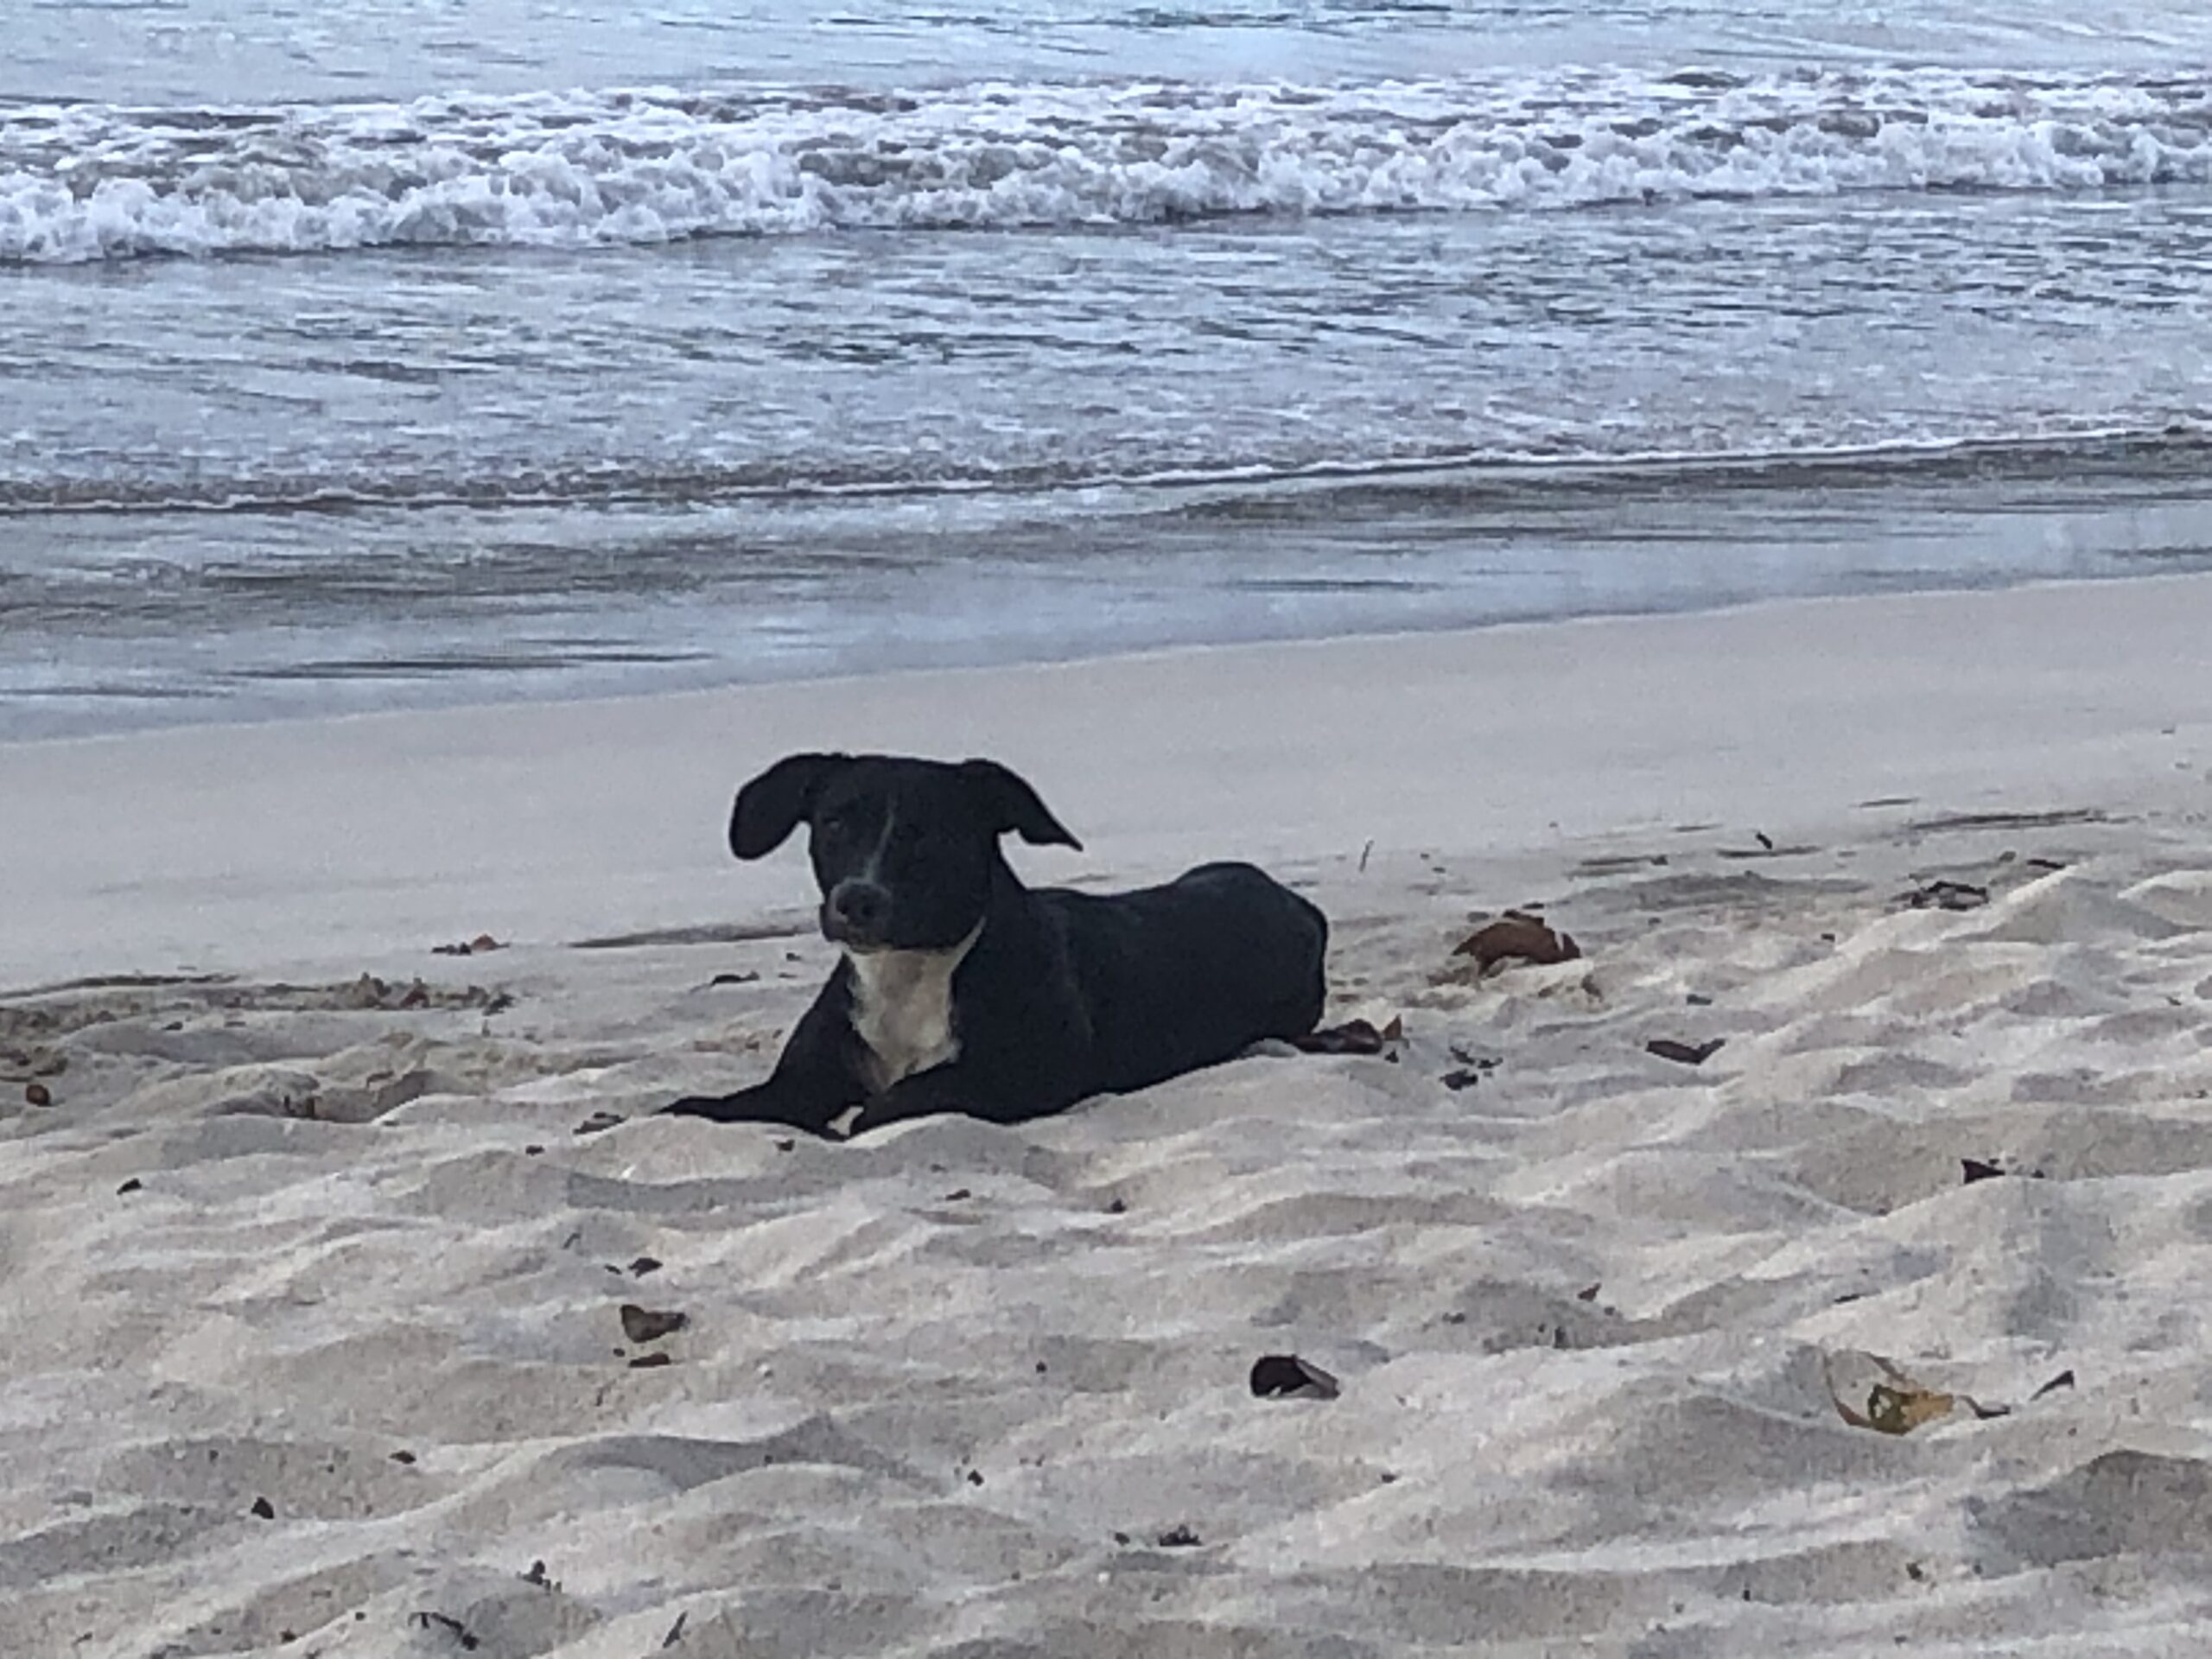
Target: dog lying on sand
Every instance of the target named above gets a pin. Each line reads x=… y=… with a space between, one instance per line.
x=960 y=990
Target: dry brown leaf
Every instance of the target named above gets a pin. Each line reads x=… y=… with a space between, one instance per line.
x=1900 y=1411
x=1518 y=936
x=1896 y=1403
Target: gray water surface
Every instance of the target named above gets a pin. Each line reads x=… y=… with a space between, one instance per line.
x=386 y=350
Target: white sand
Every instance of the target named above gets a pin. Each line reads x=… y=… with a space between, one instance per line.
x=944 y=1390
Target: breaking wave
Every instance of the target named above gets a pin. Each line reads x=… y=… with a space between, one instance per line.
x=87 y=182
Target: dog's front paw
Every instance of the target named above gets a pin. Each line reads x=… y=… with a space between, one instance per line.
x=738 y=1108
x=706 y=1106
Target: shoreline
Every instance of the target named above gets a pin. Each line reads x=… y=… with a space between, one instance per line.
x=1726 y=611
x=366 y=627
x=197 y=847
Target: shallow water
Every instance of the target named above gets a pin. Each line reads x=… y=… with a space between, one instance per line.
x=388 y=351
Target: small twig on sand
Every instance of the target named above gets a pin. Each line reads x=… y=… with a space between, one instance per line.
x=462 y=1633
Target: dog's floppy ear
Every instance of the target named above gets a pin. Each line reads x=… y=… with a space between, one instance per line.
x=776 y=802
x=1009 y=804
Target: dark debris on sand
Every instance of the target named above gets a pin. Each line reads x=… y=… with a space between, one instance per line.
x=1517 y=936
x=648 y=1325
x=1287 y=1377
x=1667 y=1048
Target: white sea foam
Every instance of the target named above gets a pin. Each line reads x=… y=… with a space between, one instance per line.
x=89 y=182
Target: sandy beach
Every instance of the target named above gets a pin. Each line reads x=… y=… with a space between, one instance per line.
x=317 y=1241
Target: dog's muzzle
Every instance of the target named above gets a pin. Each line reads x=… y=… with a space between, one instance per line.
x=856 y=912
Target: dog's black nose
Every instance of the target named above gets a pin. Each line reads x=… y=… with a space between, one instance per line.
x=857 y=909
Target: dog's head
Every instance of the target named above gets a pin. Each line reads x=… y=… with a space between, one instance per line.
x=904 y=850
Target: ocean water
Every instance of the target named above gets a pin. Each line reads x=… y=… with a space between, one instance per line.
x=355 y=353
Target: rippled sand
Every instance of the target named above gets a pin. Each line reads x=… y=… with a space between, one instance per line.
x=313 y=1342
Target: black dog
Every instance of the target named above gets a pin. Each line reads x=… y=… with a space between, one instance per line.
x=962 y=990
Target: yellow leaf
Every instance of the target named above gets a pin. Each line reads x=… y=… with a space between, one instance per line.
x=1901 y=1410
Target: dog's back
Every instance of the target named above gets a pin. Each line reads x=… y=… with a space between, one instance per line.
x=1191 y=973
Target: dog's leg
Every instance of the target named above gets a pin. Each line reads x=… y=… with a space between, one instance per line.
x=814 y=1082
x=762 y=1103
x=923 y=1094
x=959 y=1089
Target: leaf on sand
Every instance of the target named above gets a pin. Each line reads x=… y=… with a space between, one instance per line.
x=1900 y=1411
x=1948 y=895
x=1896 y=1404
x=1684 y=1053
x=649 y=1324
x=1517 y=936
x=1283 y=1376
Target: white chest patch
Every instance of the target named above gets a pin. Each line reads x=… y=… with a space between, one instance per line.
x=902 y=1010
